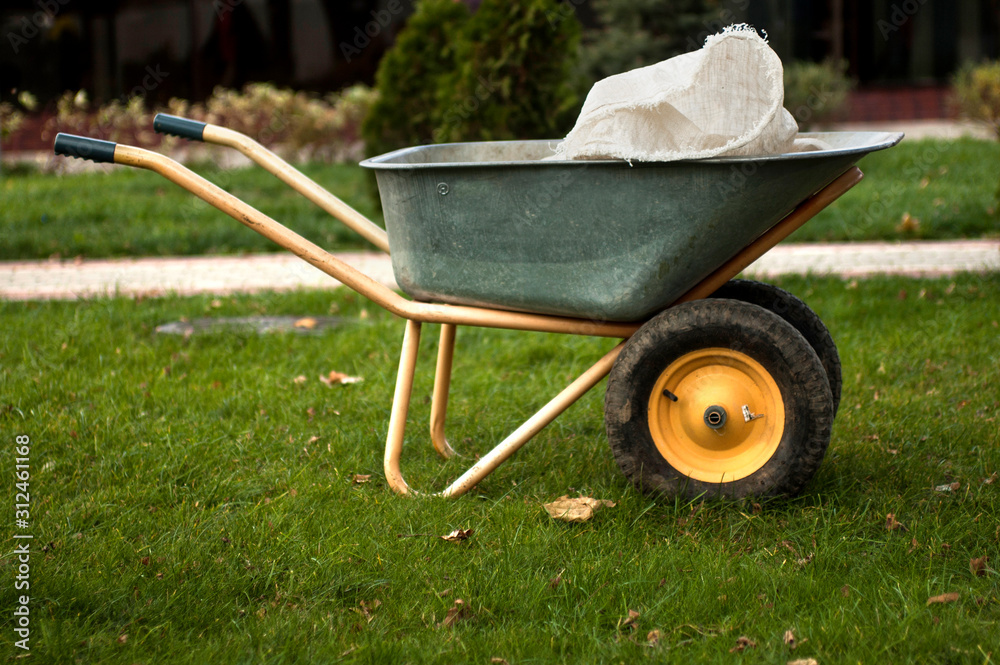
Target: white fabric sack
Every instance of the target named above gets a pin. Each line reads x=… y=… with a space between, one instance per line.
x=723 y=100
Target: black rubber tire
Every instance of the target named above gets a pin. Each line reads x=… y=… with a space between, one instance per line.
x=802 y=318
x=752 y=330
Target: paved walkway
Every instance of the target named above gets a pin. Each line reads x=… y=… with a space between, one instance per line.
x=69 y=280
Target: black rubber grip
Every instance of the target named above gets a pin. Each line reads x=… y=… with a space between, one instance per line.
x=80 y=146
x=182 y=127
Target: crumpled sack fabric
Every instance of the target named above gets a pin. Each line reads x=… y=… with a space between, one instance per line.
x=725 y=99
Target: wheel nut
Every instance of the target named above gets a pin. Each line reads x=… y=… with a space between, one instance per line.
x=715 y=417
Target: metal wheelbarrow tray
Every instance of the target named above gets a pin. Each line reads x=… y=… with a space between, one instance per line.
x=718 y=387
x=492 y=225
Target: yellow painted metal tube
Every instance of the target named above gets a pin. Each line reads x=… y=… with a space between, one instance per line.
x=442 y=385
x=352 y=278
x=533 y=425
x=299 y=182
x=400 y=409
x=802 y=214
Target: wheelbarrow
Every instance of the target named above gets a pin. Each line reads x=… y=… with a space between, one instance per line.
x=717 y=387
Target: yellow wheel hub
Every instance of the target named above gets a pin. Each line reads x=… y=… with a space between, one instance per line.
x=727 y=420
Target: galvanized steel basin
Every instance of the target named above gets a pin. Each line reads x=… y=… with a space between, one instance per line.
x=491 y=224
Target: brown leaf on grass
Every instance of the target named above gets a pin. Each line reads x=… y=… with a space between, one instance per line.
x=845 y=591
x=908 y=223
x=631 y=621
x=803 y=661
x=892 y=524
x=978 y=566
x=458 y=535
x=950 y=487
x=555 y=581
x=361 y=478
x=943 y=598
x=339 y=378
x=992 y=479
x=307 y=323
x=299 y=380
x=789 y=639
x=743 y=642
x=499 y=661
x=368 y=608
x=913 y=546
x=455 y=614
x=653 y=637
x=123 y=638
x=580 y=509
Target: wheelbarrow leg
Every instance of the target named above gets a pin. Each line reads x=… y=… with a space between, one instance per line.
x=491 y=460
x=442 y=384
x=401 y=407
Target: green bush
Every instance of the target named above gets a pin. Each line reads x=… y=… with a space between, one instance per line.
x=502 y=73
x=977 y=92
x=636 y=33
x=816 y=92
x=409 y=77
x=513 y=75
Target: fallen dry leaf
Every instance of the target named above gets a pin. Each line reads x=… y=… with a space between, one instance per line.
x=361 y=478
x=307 y=323
x=653 y=637
x=789 y=638
x=908 y=223
x=630 y=621
x=743 y=642
x=992 y=479
x=978 y=566
x=458 y=535
x=339 y=378
x=555 y=581
x=368 y=608
x=499 y=661
x=123 y=638
x=803 y=661
x=299 y=380
x=943 y=598
x=580 y=509
x=913 y=546
x=892 y=524
x=455 y=614
x=845 y=591
x=950 y=487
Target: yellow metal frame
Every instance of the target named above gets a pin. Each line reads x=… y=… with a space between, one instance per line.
x=450 y=316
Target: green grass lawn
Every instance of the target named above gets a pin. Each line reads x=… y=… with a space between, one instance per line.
x=948 y=188
x=131 y=212
x=192 y=502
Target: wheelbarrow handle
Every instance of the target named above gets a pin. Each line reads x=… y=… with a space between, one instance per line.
x=82 y=147
x=182 y=127
x=214 y=134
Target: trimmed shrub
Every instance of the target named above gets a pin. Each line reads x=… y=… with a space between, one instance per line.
x=816 y=92
x=977 y=92
x=409 y=77
x=512 y=80
x=502 y=73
